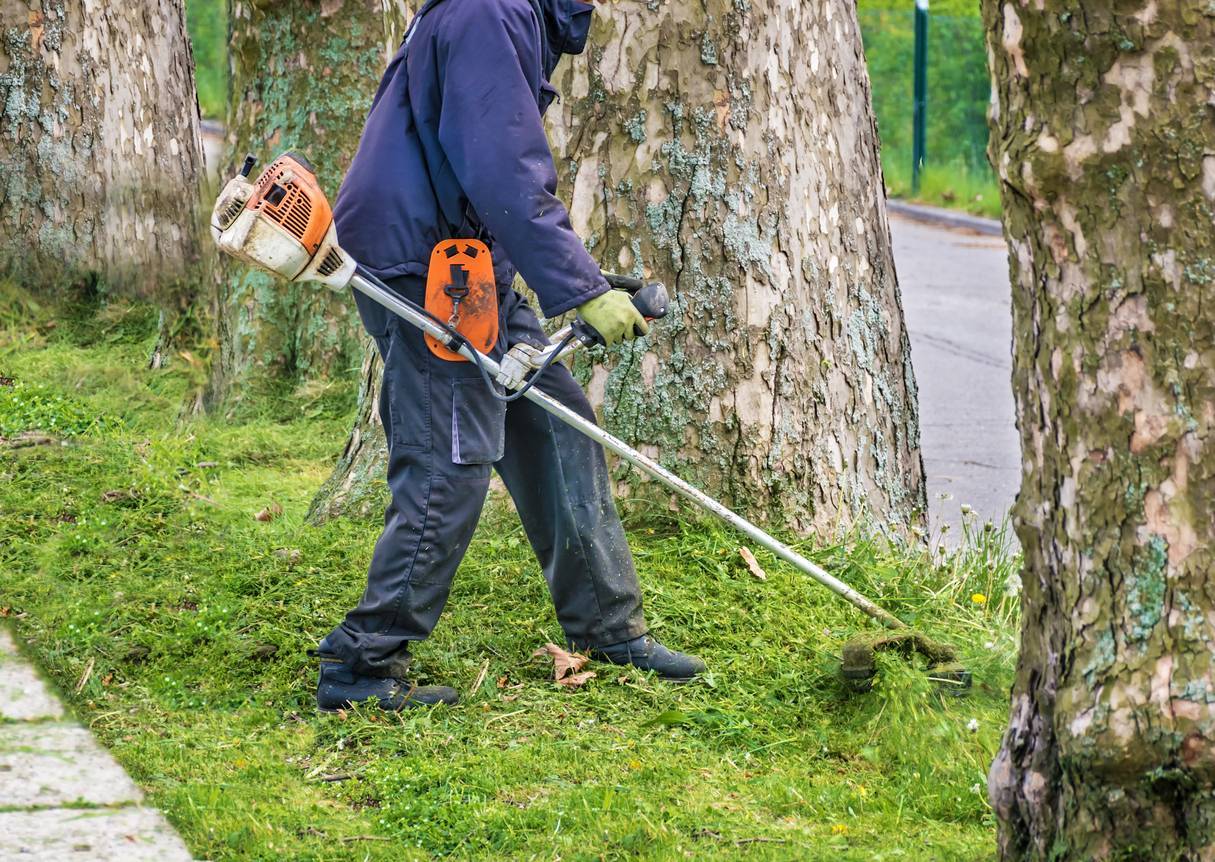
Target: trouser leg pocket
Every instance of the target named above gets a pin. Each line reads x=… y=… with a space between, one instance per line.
x=478 y=423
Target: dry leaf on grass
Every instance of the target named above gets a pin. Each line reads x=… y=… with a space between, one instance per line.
x=576 y=680
x=269 y=513
x=566 y=665
x=753 y=565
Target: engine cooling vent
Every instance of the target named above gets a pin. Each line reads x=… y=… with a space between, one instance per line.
x=285 y=202
x=231 y=212
x=332 y=263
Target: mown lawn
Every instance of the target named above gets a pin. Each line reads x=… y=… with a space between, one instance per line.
x=176 y=625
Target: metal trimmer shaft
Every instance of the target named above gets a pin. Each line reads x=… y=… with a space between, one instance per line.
x=370 y=286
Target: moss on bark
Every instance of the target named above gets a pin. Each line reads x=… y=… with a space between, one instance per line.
x=729 y=150
x=302 y=77
x=1101 y=135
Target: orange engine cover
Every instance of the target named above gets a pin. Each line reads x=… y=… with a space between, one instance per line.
x=460 y=282
x=289 y=195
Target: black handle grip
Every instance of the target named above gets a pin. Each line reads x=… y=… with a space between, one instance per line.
x=250 y=162
x=624 y=282
x=649 y=299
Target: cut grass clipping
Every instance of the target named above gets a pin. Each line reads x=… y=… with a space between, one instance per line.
x=131 y=547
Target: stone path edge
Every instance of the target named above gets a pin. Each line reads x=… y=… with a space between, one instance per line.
x=945 y=218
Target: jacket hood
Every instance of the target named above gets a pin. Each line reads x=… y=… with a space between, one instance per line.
x=568 y=22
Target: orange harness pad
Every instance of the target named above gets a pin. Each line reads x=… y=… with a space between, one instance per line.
x=460 y=290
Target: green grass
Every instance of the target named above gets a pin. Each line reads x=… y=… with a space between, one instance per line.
x=132 y=550
x=956 y=186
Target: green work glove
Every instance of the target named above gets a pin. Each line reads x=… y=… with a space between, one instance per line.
x=613 y=316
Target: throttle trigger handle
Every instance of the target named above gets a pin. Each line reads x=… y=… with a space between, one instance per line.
x=624 y=282
x=586 y=334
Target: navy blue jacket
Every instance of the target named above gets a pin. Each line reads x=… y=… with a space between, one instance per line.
x=455 y=144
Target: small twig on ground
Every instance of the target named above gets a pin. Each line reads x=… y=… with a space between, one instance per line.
x=84 y=677
x=476 y=686
x=350 y=838
x=759 y=840
x=337 y=776
x=505 y=716
x=26 y=440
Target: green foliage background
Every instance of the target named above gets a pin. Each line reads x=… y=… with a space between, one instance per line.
x=959 y=90
x=207 y=21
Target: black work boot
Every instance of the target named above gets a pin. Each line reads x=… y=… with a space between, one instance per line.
x=645 y=653
x=340 y=688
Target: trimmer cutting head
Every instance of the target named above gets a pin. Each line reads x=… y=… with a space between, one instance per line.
x=282 y=223
x=859 y=661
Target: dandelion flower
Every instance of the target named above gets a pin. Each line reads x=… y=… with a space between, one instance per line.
x=979 y=599
x=839 y=829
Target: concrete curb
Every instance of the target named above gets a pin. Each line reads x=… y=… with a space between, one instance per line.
x=945 y=218
x=62 y=796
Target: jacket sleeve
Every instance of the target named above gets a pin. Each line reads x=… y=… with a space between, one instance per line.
x=492 y=134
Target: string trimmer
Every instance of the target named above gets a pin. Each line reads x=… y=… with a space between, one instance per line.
x=282 y=223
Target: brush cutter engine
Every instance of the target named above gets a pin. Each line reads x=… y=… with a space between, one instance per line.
x=282 y=223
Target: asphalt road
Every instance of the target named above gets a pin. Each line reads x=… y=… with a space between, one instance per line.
x=956 y=298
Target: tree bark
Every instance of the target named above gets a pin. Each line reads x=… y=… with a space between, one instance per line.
x=730 y=152
x=100 y=154
x=1102 y=135
x=302 y=77
x=356 y=487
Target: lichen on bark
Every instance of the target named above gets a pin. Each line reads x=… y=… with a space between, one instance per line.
x=729 y=150
x=1101 y=136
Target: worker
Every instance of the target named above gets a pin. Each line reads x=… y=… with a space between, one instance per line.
x=454 y=147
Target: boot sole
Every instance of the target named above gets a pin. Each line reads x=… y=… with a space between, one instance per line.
x=407 y=705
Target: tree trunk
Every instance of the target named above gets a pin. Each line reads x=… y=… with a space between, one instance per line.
x=302 y=77
x=100 y=154
x=1102 y=133
x=356 y=488
x=730 y=152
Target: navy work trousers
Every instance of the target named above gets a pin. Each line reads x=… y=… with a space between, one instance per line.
x=445 y=431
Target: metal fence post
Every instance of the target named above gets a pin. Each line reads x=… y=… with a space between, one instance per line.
x=919 y=134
